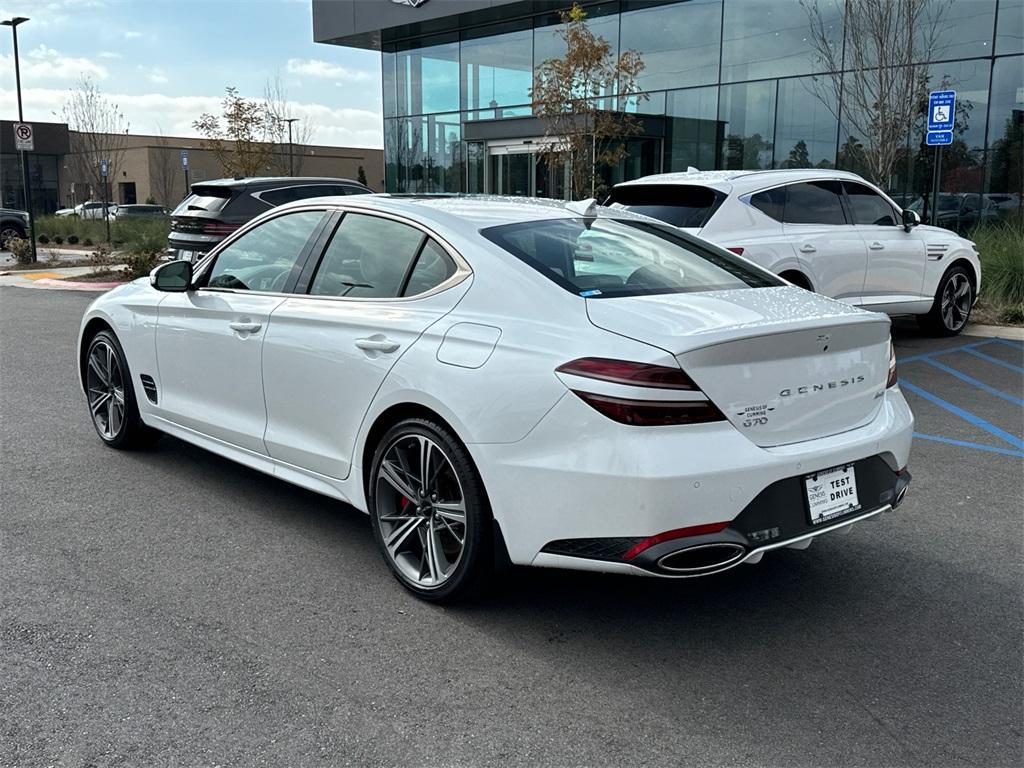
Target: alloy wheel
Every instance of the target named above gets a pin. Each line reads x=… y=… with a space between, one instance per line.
x=956 y=301
x=105 y=383
x=7 y=234
x=421 y=510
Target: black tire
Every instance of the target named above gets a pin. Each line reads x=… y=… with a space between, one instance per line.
x=799 y=279
x=126 y=432
x=473 y=571
x=951 y=319
x=9 y=231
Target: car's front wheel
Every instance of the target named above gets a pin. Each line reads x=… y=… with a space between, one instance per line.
x=9 y=232
x=951 y=309
x=111 y=397
x=429 y=512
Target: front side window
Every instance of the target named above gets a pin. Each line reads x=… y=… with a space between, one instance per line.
x=368 y=258
x=815 y=202
x=608 y=258
x=868 y=206
x=264 y=257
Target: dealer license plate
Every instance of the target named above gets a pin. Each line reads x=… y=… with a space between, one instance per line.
x=831 y=493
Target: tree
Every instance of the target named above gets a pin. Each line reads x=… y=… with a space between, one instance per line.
x=571 y=94
x=278 y=112
x=361 y=177
x=238 y=137
x=798 y=156
x=163 y=163
x=100 y=134
x=882 y=81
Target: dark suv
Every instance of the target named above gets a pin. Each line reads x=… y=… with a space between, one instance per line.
x=217 y=208
x=12 y=224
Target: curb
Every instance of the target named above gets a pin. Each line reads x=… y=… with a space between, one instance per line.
x=72 y=285
x=994 y=331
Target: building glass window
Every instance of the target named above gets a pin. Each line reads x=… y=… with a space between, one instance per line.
x=748 y=113
x=770 y=38
x=678 y=41
x=602 y=20
x=388 y=62
x=425 y=153
x=497 y=71
x=427 y=79
x=693 y=132
x=806 y=124
x=964 y=28
x=1005 y=183
x=1010 y=27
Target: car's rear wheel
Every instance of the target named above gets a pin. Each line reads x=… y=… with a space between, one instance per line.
x=111 y=397
x=8 y=233
x=951 y=309
x=429 y=512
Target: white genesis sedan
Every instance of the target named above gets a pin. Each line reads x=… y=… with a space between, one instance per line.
x=512 y=381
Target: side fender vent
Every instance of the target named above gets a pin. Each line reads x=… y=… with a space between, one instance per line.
x=936 y=251
x=150 y=386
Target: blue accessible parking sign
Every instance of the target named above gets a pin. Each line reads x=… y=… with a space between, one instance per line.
x=941 y=113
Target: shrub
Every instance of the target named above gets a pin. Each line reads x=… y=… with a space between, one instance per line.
x=57 y=239
x=100 y=258
x=72 y=239
x=21 y=248
x=43 y=238
x=140 y=264
x=87 y=242
x=1001 y=250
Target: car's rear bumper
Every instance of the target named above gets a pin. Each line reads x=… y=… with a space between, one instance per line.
x=580 y=478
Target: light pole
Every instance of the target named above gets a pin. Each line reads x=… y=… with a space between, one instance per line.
x=291 y=156
x=13 y=24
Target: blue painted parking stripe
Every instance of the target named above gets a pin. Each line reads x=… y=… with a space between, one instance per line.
x=929 y=355
x=974 y=382
x=967 y=444
x=994 y=360
x=967 y=416
x=1012 y=344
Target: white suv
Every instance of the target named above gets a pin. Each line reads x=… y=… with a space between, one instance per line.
x=827 y=231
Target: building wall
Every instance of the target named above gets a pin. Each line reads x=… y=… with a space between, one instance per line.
x=735 y=81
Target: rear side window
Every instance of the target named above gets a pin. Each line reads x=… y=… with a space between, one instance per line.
x=433 y=267
x=815 y=202
x=868 y=206
x=353 y=190
x=771 y=202
x=277 y=197
x=367 y=258
x=608 y=258
x=679 y=205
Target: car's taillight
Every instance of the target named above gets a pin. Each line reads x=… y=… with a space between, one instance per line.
x=219 y=228
x=736 y=249
x=635 y=412
x=891 y=380
x=678 y=533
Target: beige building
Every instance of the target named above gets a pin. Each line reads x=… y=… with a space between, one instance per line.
x=150 y=168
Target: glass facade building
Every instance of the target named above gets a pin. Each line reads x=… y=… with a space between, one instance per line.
x=728 y=84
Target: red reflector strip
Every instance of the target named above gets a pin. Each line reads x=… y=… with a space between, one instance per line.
x=220 y=229
x=678 y=533
x=652 y=413
x=736 y=249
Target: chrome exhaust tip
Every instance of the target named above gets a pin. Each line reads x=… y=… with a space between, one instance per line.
x=703 y=558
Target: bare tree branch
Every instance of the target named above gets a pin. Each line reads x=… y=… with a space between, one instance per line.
x=100 y=134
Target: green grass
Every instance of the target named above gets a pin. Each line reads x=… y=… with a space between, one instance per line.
x=1001 y=250
x=136 y=235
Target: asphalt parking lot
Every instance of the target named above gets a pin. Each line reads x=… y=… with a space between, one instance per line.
x=171 y=608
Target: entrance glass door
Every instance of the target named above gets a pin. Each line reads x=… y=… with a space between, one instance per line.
x=519 y=170
x=511 y=174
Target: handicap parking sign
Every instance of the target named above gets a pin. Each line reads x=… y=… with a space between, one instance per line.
x=941 y=110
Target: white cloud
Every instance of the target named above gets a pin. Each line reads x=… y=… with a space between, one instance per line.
x=175 y=114
x=43 y=63
x=109 y=55
x=325 y=69
x=153 y=74
x=132 y=34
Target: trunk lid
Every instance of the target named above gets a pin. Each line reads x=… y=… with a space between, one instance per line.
x=783 y=364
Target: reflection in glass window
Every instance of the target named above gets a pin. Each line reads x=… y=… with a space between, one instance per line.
x=1006 y=136
x=693 y=131
x=263 y=258
x=964 y=28
x=678 y=41
x=368 y=258
x=805 y=129
x=1010 y=27
x=497 y=71
x=424 y=154
x=547 y=44
x=389 y=85
x=427 y=79
x=769 y=38
x=817 y=202
x=433 y=267
x=748 y=111
x=868 y=207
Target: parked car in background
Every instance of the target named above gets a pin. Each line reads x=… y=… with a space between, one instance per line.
x=495 y=381
x=139 y=211
x=13 y=223
x=217 y=208
x=1005 y=201
x=826 y=231
x=89 y=210
x=959 y=211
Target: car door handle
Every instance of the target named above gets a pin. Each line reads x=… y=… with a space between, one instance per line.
x=243 y=326
x=378 y=344
x=807 y=248
x=876 y=246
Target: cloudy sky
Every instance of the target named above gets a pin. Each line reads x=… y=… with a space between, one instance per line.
x=167 y=61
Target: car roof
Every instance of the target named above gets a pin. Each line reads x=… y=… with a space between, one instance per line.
x=272 y=182
x=727 y=181
x=458 y=211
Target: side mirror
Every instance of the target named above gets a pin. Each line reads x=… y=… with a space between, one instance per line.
x=175 y=276
x=910 y=219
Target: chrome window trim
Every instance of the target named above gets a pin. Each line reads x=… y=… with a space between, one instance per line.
x=462 y=268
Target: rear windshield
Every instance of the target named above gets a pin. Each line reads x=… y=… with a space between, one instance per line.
x=676 y=204
x=608 y=258
x=204 y=199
